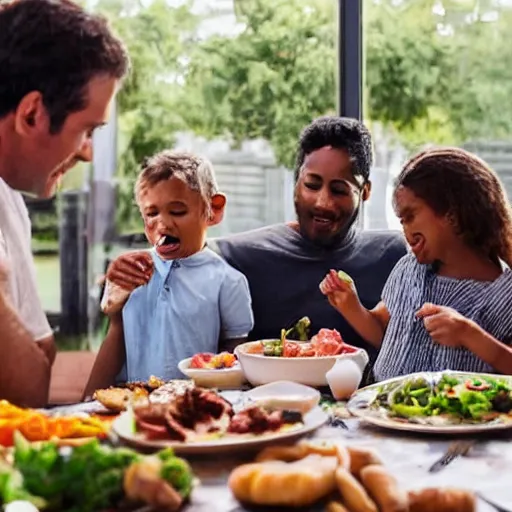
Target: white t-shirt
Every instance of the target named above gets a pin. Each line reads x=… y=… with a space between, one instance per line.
x=15 y=249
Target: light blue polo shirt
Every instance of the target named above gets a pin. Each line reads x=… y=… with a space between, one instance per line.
x=187 y=306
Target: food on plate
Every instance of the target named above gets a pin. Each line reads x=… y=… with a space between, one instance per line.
x=303 y=449
x=345 y=277
x=353 y=494
x=117 y=398
x=384 y=489
x=287 y=469
x=37 y=426
x=151 y=384
x=283 y=453
x=194 y=413
x=293 y=484
x=353 y=458
x=93 y=477
x=442 y=500
x=200 y=414
x=210 y=361
x=256 y=420
x=170 y=390
x=360 y=458
x=446 y=398
x=336 y=506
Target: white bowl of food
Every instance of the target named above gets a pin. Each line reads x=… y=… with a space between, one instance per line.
x=285 y=395
x=219 y=371
x=302 y=362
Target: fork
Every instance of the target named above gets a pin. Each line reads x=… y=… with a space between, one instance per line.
x=492 y=504
x=455 y=449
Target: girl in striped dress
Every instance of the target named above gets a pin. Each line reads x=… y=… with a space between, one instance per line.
x=448 y=304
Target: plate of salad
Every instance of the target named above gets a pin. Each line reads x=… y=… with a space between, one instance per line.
x=439 y=403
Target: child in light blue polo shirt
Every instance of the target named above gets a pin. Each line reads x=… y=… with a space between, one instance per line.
x=194 y=302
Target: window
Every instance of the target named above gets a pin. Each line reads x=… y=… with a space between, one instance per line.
x=437 y=72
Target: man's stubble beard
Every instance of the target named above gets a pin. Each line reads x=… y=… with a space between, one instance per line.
x=336 y=239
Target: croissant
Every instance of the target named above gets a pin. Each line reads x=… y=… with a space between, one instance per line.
x=353 y=494
x=442 y=500
x=291 y=484
x=384 y=489
x=305 y=448
x=360 y=458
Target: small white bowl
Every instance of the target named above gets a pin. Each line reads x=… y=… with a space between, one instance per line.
x=225 y=378
x=310 y=371
x=285 y=395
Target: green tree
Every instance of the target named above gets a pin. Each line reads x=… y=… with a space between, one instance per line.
x=269 y=80
x=435 y=71
x=158 y=36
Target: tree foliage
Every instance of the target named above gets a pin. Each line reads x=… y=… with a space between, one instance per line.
x=270 y=80
x=158 y=37
x=436 y=71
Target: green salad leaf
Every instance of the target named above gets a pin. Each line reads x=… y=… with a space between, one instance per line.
x=463 y=397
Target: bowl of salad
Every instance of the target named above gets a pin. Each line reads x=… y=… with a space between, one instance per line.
x=296 y=357
x=219 y=371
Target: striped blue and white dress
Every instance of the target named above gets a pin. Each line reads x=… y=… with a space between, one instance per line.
x=407 y=346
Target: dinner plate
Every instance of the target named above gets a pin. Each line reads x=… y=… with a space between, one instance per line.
x=123 y=427
x=358 y=406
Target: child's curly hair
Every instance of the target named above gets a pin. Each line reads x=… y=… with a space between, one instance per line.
x=458 y=184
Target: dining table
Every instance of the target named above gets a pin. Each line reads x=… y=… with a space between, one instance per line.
x=486 y=469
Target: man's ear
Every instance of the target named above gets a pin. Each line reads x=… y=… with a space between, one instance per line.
x=367 y=189
x=218 y=206
x=31 y=115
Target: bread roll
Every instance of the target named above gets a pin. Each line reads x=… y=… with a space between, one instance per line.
x=303 y=449
x=283 y=453
x=353 y=494
x=384 y=490
x=343 y=457
x=335 y=506
x=240 y=481
x=442 y=500
x=360 y=458
x=275 y=483
x=321 y=447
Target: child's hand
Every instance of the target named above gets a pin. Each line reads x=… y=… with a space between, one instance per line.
x=342 y=295
x=131 y=270
x=445 y=325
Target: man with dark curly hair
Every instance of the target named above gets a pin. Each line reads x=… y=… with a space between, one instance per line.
x=60 y=69
x=285 y=263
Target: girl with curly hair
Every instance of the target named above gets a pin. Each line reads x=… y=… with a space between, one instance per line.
x=447 y=304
